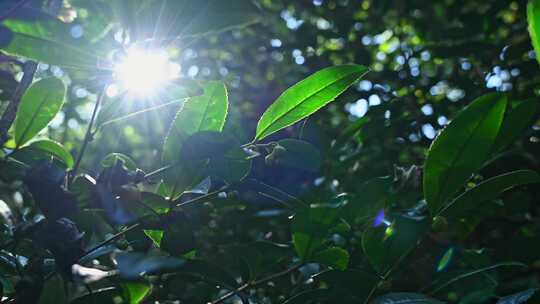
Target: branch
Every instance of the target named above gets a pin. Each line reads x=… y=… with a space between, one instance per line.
x=29 y=69
x=88 y=134
x=202 y=197
x=109 y=240
x=255 y=283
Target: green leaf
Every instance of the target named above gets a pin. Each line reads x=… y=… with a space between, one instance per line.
x=48 y=40
x=55 y=149
x=232 y=167
x=461 y=149
x=490 y=189
x=405 y=298
x=445 y=283
x=39 y=104
x=334 y=257
x=112 y=158
x=155 y=235
x=306 y=97
x=207 y=112
x=517 y=119
x=385 y=246
x=446 y=259
x=311 y=227
x=533 y=17
x=136 y=291
x=120 y=109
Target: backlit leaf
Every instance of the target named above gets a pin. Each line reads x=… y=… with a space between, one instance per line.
x=384 y=246
x=207 y=112
x=48 y=40
x=306 y=97
x=533 y=17
x=136 y=291
x=55 y=149
x=39 y=105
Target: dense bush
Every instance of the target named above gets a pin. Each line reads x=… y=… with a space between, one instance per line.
x=325 y=151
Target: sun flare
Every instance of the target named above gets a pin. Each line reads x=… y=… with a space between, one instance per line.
x=143 y=72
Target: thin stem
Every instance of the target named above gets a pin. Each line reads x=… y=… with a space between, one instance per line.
x=202 y=197
x=255 y=283
x=88 y=134
x=110 y=240
x=158 y=171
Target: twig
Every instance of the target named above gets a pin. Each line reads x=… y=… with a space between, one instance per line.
x=202 y=197
x=158 y=171
x=109 y=240
x=255 y=283
x=88 y=134
x=29 y=69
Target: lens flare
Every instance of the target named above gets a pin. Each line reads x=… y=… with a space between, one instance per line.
x=143 y=72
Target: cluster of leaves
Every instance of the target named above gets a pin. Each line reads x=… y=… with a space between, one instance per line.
x=207 y=217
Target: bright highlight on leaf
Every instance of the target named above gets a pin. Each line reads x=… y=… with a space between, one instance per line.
x=143 y=72
x=445 y=260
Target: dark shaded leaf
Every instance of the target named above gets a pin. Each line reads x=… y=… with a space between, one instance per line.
x=297 y=154
x=489 y=190
x=310 y=228
x=518 y=118
x=387 y=245
x=134 y=265
x=334 y=257
x=55 y=149
x=461 y=149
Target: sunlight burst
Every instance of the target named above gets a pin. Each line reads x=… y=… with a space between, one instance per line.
x=144 y=72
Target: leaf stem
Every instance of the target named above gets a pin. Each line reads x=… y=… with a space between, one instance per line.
x=202 y=197
x=109 y=240
x=157 y=171
x=88 y=134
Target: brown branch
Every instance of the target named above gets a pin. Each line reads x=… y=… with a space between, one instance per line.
x=29 y=69
x=255 y=283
